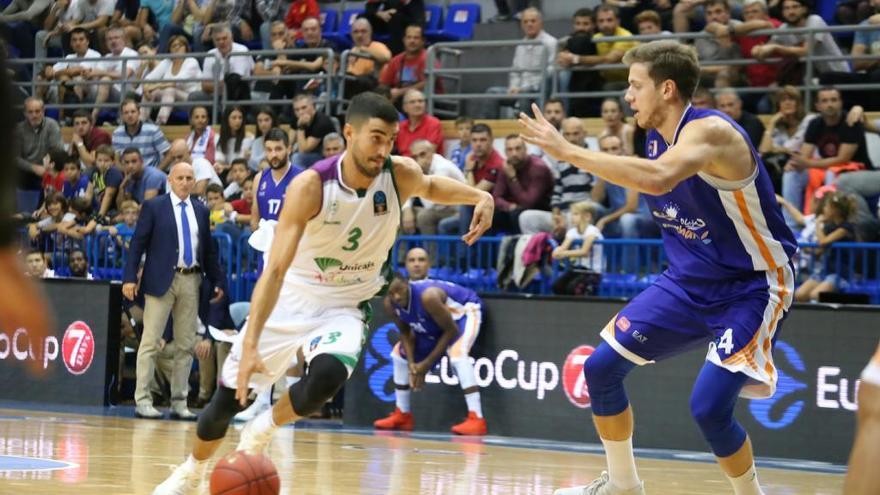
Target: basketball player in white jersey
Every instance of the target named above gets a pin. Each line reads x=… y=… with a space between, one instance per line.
x=326 y=262
x=863 y=477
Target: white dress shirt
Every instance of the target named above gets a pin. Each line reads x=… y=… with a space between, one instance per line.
x=193 y=229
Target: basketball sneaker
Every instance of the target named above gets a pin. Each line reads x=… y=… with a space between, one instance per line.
x=253 y=441
x=395 y=421
x=184 y=480
x=601 y=486
x=473 y=425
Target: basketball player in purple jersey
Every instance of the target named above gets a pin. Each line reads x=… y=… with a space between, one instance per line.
x=730 y=278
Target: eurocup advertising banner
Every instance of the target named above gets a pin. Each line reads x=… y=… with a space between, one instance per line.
x=77 y=362
x=529 y=356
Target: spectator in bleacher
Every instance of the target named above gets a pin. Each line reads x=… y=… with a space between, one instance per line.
x=703 y=98
x=406 y=70
x=234 y=140
x=83 y=222
x=270 y=12
x=418 y=124
x=311 y=37
x=587 y=263
x=628 y=214
x=836 y=142
x=297 y=13
x=392 y=17
x=234 y=68
x=608 y=23
x=417 y=264
x=728 y=101
x=427 y=217
x=186 y=20
x=616 y=125
x=554 y=111
x=146 y=137
x=240 y=212
x=220 y=213
x=123 y=230
x=785 y=132
x=78 y=265
x=756 y=16
x=155 y=17
x=310 y=129
x=140 y=183
x=86 y=137
x=36 y=266
x=166 y=89
x=92 y=16
x=113 y=70
x=20 y=21
x=460 y=149
x=203 y=170
x=124 y=16
x=525 y=183
x=529 y=61
x=61 y=14
x=364 y=71
x=76 y=185
x=71 y=74
x=202 y=140
x=571 y=185
x=333 y=144
x=834 y=224
x=104 y=181
x=56 y=213
x=578 y=50
x=234 y=15
x=266 y=120
x=145 y=49
x=238 y=173
x=793 y=47
x=648 y=22
x=720 y=46
x=53 y=175
x=35 y=136
x=864 y=71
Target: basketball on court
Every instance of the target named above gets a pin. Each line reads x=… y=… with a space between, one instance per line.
x=244 y=474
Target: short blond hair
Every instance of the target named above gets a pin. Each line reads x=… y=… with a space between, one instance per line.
x=129 y=204
x=583 y=207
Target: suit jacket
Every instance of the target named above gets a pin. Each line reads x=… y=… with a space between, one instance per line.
x=156 y=235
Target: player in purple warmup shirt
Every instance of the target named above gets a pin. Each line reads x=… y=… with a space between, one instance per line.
x=730 y=277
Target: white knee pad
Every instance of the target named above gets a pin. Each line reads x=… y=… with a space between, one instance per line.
x=401 y=369
x=465 y=372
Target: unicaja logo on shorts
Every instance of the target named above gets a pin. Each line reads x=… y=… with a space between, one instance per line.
x=573 y=381
x=78 y=347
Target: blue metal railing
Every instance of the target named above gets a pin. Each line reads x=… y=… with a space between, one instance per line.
x=630 y=265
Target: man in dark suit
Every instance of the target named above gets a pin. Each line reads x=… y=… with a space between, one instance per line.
x=174 y=232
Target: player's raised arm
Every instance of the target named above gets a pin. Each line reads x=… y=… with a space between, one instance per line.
x=306 y=187
x=412 y=182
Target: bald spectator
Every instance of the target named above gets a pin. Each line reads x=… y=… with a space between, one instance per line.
x=525 y=183
x=365 y=60
x=35 y=137
x=571 y=185
x=418 y=124
x=529 y=61
x=608 y=23
x=391 y=17
x=728 y=101
x=425 y=218
x=418 y=264
x=407 y=70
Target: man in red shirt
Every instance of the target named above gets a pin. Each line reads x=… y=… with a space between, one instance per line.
x=86 y=137
x=525 y=183
x=756 y=17
x=407 y=70
x=418 y=124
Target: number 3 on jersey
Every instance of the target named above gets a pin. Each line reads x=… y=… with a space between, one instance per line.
x=726 y=341
x=353 y=236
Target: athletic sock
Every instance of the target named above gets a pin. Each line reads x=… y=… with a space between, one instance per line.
x=747 y=483
x=291 y=380
x=621 y=463
x=264 y=422
x=402 y=399
x=196 y=466
x=473 y=403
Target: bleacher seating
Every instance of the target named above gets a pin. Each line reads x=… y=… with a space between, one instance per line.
x=459 y=24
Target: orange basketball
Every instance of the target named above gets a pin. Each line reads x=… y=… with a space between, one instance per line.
x=243 y=474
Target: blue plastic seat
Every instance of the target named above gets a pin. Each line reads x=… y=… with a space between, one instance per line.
x=342 y=36
x=329 y=19
x=433 y=17
x=459 y=24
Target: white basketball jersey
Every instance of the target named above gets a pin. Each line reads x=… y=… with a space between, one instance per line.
x=340 y=257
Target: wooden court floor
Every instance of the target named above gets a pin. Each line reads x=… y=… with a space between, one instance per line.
x=56 y=453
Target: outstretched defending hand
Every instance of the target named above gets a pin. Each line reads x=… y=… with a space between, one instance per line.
x=540 y=132
x=250 y=364
x=481 y=221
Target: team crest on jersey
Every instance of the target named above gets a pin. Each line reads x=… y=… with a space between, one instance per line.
x=691 y=229
x=380 y=203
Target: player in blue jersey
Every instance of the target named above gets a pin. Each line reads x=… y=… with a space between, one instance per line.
x=730 y=277
x=434 y=318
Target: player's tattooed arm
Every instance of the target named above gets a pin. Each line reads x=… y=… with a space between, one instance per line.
x=442 y=190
